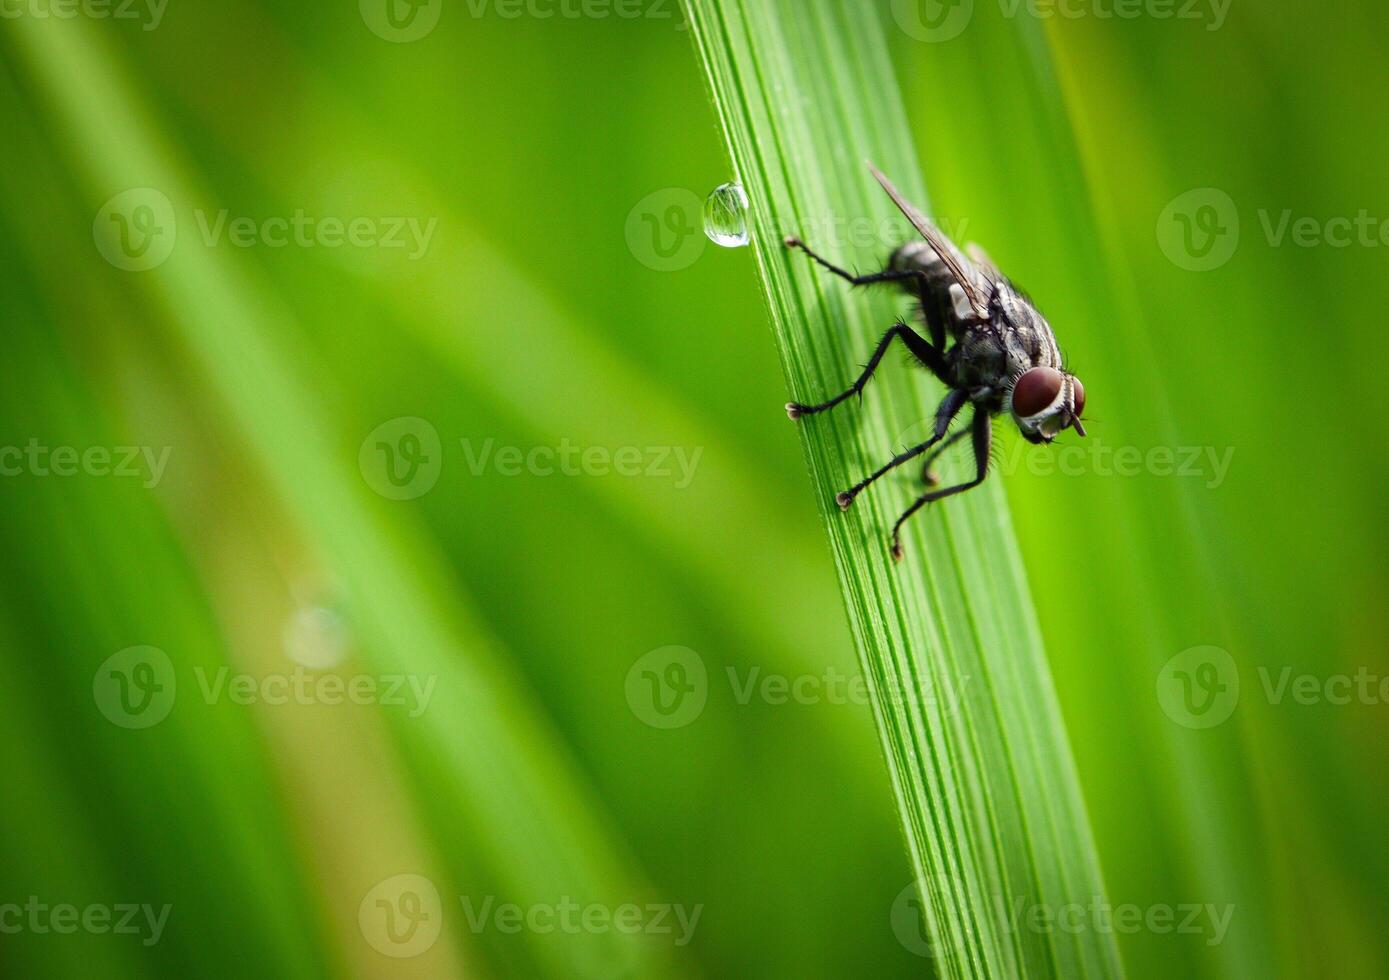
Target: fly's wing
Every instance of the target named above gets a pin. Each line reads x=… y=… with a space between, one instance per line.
x=983 y=262
x=975 y=287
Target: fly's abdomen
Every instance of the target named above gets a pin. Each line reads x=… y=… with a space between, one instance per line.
x=942 y=298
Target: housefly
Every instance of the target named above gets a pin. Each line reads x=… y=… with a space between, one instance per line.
x=1002 y=354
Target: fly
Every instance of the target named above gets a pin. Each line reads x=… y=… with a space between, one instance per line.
x=1003 y=355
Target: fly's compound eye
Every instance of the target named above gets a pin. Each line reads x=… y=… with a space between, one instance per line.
x=1078 y=396
x=1035 y=391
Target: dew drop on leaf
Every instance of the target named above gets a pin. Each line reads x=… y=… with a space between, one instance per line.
x=726 y=216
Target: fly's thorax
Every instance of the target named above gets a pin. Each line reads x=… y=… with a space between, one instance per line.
x=980 y=359
x=1025 y=334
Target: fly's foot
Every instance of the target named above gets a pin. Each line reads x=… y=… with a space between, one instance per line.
x=844 y=498
x=794 y=410
x=896 y=550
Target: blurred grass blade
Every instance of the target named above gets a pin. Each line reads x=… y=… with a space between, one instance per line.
x=501 y=788
x=975 y=747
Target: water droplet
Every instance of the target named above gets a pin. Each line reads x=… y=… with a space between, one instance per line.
x=316 y=637
x=726 y=216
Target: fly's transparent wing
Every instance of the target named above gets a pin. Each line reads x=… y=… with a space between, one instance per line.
x=981 y=259
x=974 y=285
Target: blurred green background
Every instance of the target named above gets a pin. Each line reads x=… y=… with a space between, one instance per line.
x=416 y=507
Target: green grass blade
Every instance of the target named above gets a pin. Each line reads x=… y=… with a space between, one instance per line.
x=501 y=788
x=975 y=747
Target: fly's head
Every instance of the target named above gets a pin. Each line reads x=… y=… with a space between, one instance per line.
x=1045 y=402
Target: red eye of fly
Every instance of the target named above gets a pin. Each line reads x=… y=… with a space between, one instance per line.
x=1035 y=390
x=1078 y=395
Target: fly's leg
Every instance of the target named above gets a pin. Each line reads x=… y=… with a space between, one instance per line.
x=945 y=414
x=931 y=306
x=887 y=275
x=981 y=429
x=918 y=345
x=929 y=478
